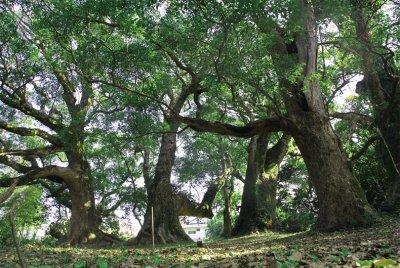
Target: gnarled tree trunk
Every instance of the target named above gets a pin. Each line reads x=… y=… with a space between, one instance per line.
x=160 y=196
x=249 y=218
x=268 y=181
x=84 y=222
x=341 y=200
x=266 y=196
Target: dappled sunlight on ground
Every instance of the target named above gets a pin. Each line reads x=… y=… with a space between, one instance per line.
x=361 y=247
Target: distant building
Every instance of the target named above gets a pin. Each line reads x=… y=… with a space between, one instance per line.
x=195 y=228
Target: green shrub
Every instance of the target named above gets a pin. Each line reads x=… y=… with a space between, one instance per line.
x=293 y=220
x=29 y=214
x=215 y=226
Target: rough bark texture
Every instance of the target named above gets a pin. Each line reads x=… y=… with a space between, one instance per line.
x=266 y=195
x=341 y=201
x=267 y=184
x=160 y=196
x=227 y=219
x=84 y=223
x=188 y=207
x=249 y=218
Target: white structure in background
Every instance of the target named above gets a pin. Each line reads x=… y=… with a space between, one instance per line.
x=196 y=228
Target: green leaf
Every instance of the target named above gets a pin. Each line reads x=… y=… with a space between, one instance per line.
x=80 y=264
x=102 y=263
x=345 y=252
x=335 y=259
x=384 y=263
x=364 y=263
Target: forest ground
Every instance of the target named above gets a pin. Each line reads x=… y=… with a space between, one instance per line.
x=379 y=244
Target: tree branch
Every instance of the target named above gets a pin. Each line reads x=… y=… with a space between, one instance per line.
x=364 y=148
x=274 y=124
x=44 y=151
x=7 y=194
x=353 y=116
x=14 y=165
x=23 y=131
x=275 y=154
x=26 y=108
x=63 y=173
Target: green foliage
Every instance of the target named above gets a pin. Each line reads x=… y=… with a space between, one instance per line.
x=216 y=225
x=384 y=263
x=102 y=263
x=80 y=264
x=296 y=208
x=365 y=263
x=294 y=221
x=29 y=214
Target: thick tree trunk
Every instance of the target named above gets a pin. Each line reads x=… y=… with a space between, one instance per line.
x=249 y=219
x=167 y=228
x=160 y=194
x=389 y=153
x=341 y=200
x=268 y=181
x=266 y=195
x=84 y=222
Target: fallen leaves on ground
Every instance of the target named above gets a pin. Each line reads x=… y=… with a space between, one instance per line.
x=378 y=246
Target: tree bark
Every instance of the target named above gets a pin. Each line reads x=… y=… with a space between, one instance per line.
x=267 y=185
x=227 y=219
x=189 y=207
x=266 y=196
x=167 y=228
x=84 y=222
x=341 y=200
x=249 y=219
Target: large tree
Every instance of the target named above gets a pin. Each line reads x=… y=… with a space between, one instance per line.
x=293 y=49
x=259 y=190
x=47 y=105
